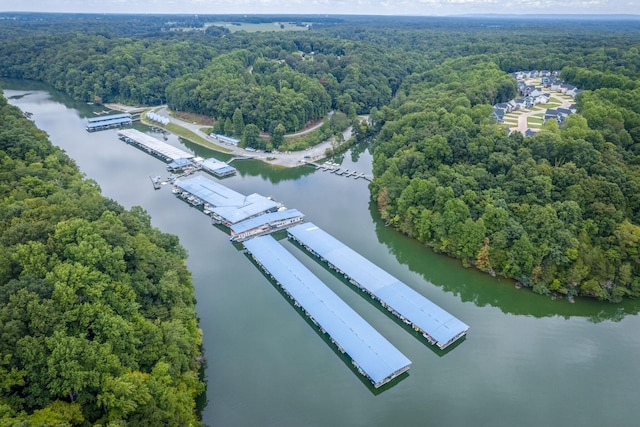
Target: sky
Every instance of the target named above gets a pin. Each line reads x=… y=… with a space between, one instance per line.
x=332 y=7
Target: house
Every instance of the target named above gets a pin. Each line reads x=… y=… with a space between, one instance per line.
x=564 y=88
x=553 y=114
x=530 y=132
x=520 y=103
x=503 y=106
x=573 y=92
x=498 y=115
x=535 y=92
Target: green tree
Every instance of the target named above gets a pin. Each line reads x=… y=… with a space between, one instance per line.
x=251 y=136
x=277 y=136
x=238 y=122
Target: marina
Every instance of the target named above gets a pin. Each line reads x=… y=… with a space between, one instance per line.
x=439 y=327
x=152 y=145
x=251 y=219
x=371 y=354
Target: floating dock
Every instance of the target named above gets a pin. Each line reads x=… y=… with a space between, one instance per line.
x=225 y=205
x=437 y=325
x=107 y=122
x=152 y=145
x=265 y=224
x=371 y=354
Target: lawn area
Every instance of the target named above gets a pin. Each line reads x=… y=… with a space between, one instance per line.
x=534 y=121
x=550 y=104
x=193 y=137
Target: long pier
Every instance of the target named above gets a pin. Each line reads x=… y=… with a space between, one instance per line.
x=435 y=324
x=371 y=354
x=152 y=145
x=336 y=169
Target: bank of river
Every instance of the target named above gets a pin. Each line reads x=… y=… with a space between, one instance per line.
x=527 y=361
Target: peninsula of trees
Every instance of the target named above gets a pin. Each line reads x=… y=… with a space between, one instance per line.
x=558 y=211
x=97 y=309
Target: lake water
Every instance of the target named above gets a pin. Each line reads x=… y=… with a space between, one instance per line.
x=527 y=360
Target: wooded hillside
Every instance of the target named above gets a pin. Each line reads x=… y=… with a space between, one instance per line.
x=97 y=310
x=557 y=212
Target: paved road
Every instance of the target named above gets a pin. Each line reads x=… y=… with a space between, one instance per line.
x=289 y=160
x=522 y=119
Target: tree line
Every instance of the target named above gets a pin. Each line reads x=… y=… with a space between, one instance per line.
x=559 y=211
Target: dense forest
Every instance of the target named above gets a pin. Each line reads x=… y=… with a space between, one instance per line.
x=97 y=310
x=565 y=202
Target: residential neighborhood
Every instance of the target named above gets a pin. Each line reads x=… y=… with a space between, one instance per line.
x=542 y=97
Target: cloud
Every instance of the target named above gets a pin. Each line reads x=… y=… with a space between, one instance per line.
x=372 y=7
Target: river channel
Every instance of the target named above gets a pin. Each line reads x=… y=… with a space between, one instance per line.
x=528 y=360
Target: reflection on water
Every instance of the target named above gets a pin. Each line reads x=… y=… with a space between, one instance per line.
x=482 y=289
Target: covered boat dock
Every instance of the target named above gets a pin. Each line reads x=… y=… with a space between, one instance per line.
x=265 y=224
x=218 y=168
x=371 y=354
x=437 y=325
x=152 y=145
x=225 y=205
x=107 y=122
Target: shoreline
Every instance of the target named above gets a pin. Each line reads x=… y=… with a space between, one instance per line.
x=279 y=159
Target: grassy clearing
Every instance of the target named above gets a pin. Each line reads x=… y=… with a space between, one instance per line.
x=266 y=26
x=534 y=121
x=184 y=133
x=193 y=137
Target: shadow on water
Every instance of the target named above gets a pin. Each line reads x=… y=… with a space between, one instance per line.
x=483 y=290
x=325 y=337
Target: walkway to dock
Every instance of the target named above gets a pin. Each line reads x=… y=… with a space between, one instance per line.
x=437 y=325
x=153 y=145
x=371 y=354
